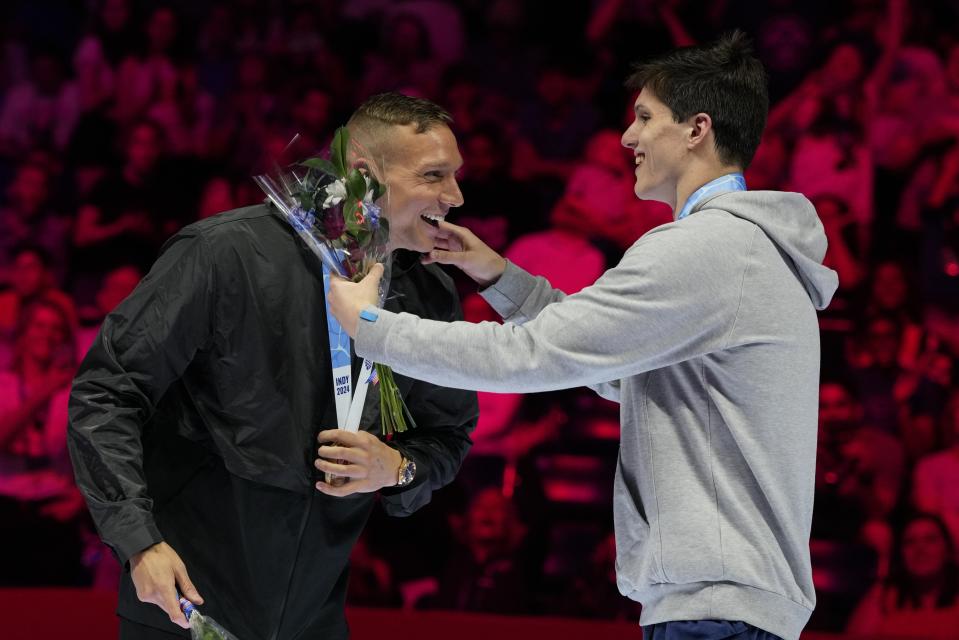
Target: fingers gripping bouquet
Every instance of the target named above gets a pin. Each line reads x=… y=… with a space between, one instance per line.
x=332 y=205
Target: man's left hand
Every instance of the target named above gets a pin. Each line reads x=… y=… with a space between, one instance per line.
x=347 y=299
x=364 y=460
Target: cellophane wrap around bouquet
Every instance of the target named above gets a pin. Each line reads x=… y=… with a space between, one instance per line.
x=202 y=627
x=333 y=204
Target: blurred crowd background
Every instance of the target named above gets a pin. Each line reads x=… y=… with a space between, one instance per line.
x=121 y=121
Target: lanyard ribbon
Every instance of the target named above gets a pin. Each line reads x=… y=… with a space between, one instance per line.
x=349 y=403
x=722 y=184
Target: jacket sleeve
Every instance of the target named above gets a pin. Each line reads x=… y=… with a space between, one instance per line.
x=439 y=442
x=142 y=347
x=673 y=297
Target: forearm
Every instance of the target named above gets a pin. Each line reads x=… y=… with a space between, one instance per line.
x=631 y=320
x=107 y=462
x=438 y=444
x=519 y=296
x=438 y=458
x=109 y=405
x=143 y=346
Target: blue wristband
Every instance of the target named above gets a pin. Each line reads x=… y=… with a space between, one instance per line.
x=369 y=315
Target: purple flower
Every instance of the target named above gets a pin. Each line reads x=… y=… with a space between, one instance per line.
x=333 y=222
x=373 y=211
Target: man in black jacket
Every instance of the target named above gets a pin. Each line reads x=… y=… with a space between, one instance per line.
x=195 y=416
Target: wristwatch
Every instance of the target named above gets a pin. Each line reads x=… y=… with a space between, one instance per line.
x=406 y=472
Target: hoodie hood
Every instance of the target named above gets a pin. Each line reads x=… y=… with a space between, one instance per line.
x=791 y=222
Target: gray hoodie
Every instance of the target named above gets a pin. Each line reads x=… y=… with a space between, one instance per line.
x=706 y=333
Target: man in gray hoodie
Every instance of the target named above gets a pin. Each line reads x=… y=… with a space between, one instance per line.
x=705 y=333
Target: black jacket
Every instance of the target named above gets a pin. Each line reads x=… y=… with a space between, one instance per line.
x=193 y=420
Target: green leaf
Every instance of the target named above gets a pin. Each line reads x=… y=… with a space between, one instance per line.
x=355 y=184
x=350 y=207
x=379 y=190
x=306 y=200
x=320 y=164
x=339 y=149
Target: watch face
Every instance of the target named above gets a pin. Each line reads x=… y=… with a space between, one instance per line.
x=407 y=472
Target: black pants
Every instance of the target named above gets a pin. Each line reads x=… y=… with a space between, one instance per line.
x=705 y=630
x=130 y=630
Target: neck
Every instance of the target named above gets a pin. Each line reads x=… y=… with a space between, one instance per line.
x=697 y=177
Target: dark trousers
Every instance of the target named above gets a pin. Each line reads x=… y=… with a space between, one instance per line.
x=130 y=630
x=705 y=630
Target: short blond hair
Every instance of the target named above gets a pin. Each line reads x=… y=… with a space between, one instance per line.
x=396 y=109
x=372 y=123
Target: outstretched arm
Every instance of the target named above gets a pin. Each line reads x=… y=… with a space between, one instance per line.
x=632 y=320
x=515 y=294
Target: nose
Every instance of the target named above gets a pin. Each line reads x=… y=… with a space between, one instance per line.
x=452 y=196
x=629 y=139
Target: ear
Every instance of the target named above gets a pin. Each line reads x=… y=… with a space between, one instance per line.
x=700 y=125
x=367 y=167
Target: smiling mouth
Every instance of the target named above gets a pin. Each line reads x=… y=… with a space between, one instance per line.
x=640 y=157
x=431 y=220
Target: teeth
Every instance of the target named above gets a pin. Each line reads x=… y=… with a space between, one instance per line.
x=431 y=217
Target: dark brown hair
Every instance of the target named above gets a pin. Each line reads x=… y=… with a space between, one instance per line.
x=722 y=79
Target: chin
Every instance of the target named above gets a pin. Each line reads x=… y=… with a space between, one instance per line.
x=643 y=193
x=420 y=245
x=423 y=244
x=649 y=193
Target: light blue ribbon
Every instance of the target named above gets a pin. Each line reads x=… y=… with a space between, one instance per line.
x=722 y=184
x=339 y=339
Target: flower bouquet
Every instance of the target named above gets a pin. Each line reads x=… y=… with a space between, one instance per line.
x=202 y=627
x=332 y=206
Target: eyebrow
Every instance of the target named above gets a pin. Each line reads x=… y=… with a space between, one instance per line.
x=440 y=166
x=640 y=106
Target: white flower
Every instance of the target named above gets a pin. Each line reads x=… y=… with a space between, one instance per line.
x=335 y=194
x=369 y=192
